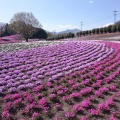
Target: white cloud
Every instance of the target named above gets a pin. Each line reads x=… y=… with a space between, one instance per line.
x=67 y=26
x=91 y=1
x=107 y=24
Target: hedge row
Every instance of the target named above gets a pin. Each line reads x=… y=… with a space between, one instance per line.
x=109 y=29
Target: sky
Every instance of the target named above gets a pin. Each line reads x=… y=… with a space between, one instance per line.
x=59 y=15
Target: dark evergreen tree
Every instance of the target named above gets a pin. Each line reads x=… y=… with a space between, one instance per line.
x=97 y=30
x=117 y=23
x=114 y=28
x=6 y=32
x=105 y=30
x=118 y=28
x=2 y=29
x=78 y=34
x=109 y=28
x=71 y=35
x=86 y=32
x=83 y=33
x=40 y=33
x=93 y=31
x=89 y=32
x=101 y=30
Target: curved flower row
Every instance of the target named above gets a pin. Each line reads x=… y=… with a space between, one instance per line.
x=88 y=94
x=28 y=68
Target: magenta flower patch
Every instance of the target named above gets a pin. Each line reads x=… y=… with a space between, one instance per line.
x=71 y=81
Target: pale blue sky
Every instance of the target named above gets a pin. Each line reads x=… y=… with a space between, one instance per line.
x=59 y=15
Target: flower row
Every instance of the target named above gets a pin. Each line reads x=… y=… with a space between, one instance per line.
x=26 y=69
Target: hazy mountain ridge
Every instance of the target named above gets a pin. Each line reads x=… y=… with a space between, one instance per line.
x=69 y=30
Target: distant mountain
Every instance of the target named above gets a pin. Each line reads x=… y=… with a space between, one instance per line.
x=54 y=33
x=68 y=30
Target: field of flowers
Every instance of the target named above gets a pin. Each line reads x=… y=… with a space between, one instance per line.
x=27 y=45
x=14 y=39
x=70 y=81
x=11 y=39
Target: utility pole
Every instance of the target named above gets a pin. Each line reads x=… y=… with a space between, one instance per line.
x=81 y=25
x=115 y=14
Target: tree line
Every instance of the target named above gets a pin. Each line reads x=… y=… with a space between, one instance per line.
x=109 y=29
x=61 y=36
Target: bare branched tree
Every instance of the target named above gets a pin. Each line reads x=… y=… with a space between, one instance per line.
x=2 y=29
x=24 y=24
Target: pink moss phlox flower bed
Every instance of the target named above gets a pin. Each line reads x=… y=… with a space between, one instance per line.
x=11 y=39
x=72 y=81
x=14 y=39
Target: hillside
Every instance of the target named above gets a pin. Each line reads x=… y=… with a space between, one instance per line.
x=69 y=30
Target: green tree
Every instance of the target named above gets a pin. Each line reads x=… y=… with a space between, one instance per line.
x=65 y=35
x=71 y=35
x=118 y=28
x=83 y=33
x=40 y=33
x=86 y=32
x=7 y=32
x=114 y=28
x=78 y=34
x=109 y=28
x=97 y=30
x=2 y=29
x=25 y=24
x=89 y=32
x=101 y=30
x=117 y=23
x=93 y=31
x=105 y=30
